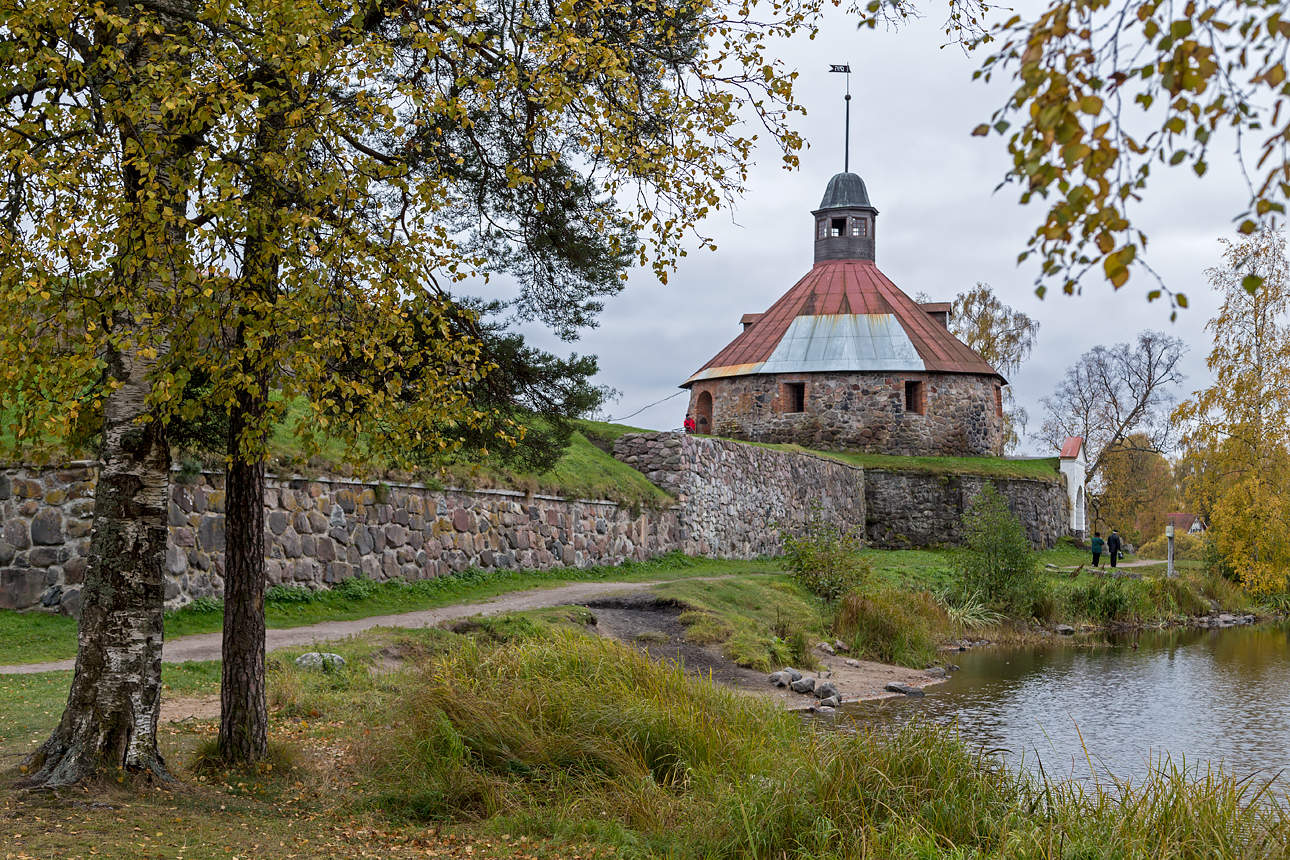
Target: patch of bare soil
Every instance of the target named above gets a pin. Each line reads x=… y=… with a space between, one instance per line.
x=653 y=625
x=179 y=709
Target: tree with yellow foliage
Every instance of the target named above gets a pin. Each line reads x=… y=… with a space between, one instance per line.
x=277 y=198
x=1137 y=490
x=1240 y=426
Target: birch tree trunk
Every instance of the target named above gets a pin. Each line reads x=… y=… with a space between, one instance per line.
x=110 y=722
x=109 y=725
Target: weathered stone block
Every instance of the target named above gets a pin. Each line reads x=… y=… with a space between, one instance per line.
x=210 y=534
x=47 y=527
x=17 y=533
x=42 y=556
x=20 y=589
x=277 y=522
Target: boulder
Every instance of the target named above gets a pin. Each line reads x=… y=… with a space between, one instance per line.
x=793 y=674
x=320 y=660
x=776 y=678
x=825 y=648
x=829 y=702
x=853 y=663
x=1065 y=630
x=841 y=647
x=825 y=690
x=936 y=672
x=898 y=687
x=803 y=685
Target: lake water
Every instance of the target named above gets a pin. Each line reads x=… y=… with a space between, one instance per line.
x=1197 y=696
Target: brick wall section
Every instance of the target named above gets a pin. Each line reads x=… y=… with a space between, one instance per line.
x=860 y=412
x=907 y=509
x=733 y=497
x=319 y=531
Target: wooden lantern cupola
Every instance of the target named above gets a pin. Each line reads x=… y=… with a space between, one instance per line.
x=845 y=221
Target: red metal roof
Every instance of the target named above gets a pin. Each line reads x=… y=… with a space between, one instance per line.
x=845 y=287
x=1070 y=448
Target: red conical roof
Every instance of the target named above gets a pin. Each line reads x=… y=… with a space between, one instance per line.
x=845 y=315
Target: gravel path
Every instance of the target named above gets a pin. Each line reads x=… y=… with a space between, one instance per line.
x=206 y=646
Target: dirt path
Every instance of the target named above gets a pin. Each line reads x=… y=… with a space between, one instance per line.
x=624 y=612
x=206 y=646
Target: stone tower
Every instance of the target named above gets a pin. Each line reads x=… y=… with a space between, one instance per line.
x=846 y=361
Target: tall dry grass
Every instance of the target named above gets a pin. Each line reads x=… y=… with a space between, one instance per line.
x=579 y=737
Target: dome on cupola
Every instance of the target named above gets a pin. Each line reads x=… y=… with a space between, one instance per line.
x=845 y=191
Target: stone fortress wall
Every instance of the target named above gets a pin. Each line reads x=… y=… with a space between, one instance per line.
x=957 y=415
x=731 y=500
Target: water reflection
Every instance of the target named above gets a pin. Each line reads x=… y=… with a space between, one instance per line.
x=1220 y=696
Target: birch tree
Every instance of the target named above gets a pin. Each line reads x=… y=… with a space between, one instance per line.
x=303 y=184
x=1117 y=398
x=1239 y=427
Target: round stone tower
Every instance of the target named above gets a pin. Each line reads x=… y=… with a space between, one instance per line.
x=846 y=361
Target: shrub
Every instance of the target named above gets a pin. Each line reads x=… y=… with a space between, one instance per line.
x=355 y=588
x=1186 y=548
x=825 y=560
x=1177 y=595
x=1112 y=599
x=893 y=626
x=998 y=562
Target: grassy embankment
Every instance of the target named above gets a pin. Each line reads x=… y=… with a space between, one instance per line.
x=527 y=738
x=33 y=637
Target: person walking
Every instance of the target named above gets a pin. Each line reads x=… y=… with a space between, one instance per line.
x=1097 y=544
x=1113 y=547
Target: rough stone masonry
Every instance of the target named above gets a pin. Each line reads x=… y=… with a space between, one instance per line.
x=732 y=501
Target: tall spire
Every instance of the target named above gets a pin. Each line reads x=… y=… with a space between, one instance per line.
x=845 y=69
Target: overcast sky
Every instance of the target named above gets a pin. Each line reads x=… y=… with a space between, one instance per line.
x=941 y=227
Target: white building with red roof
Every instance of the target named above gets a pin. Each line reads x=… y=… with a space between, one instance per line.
x=1073 y=463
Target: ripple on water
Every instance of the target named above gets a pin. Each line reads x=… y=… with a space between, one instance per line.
x=1196 y=696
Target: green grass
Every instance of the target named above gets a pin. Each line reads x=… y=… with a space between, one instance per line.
x=33 y=637
x=526 y=740
x=1041 y=469
x=587 y=472
x=574 y=738
x=30 y=705
x=762 y=623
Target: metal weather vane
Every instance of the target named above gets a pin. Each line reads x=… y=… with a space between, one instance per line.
x=845 y=68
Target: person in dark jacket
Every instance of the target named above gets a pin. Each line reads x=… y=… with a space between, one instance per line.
x=1097 y=544
x=1113 y=546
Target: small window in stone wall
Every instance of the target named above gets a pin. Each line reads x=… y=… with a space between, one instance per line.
x=794 y=396
x=915 y=397
x=998 y=400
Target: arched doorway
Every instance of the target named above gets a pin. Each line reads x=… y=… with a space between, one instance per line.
x=703 y=413
x=1079 y=509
